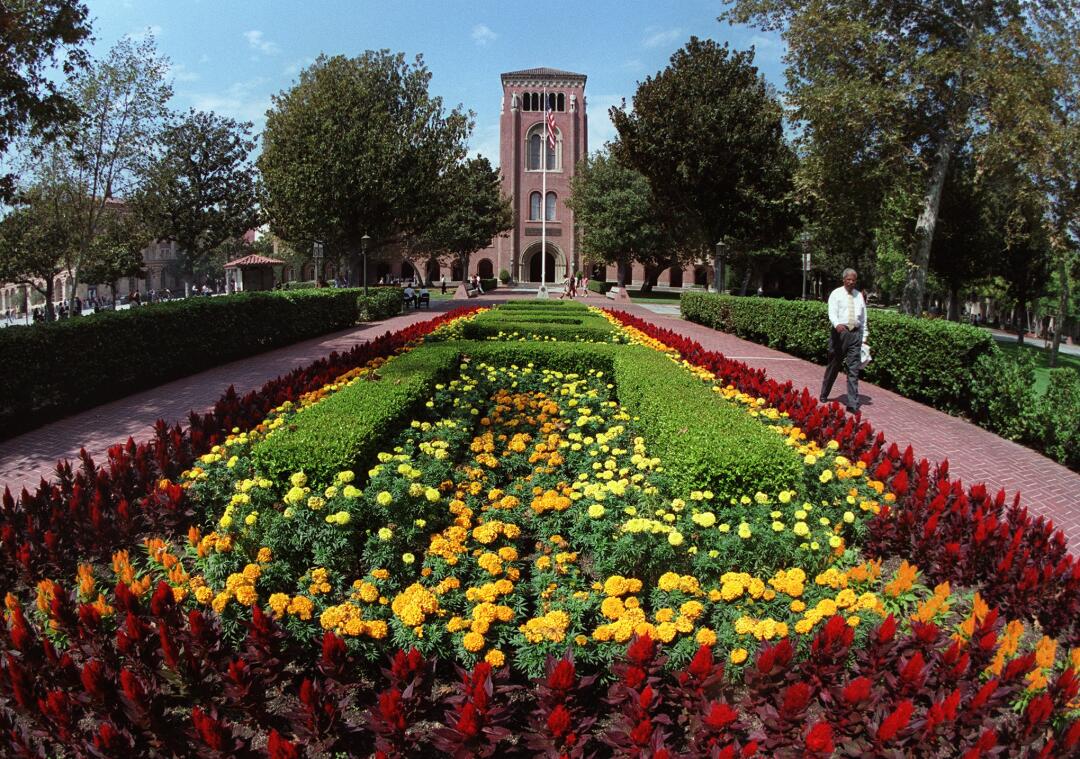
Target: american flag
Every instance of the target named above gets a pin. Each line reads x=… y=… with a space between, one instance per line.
x=551 y=127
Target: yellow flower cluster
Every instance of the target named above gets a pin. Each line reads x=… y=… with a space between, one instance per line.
x=551 y=627
x=414 y=604
x=348 y=620
x=688 y=584
x=320 y=582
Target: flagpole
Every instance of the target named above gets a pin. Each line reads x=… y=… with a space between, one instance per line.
x=542 y=292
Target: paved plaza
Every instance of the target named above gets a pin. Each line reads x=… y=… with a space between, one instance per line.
x=975 y=455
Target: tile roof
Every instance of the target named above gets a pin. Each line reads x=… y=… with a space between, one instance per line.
x=543 y=71
x=253 y=260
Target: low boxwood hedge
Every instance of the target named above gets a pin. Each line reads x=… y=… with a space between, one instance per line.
x=487 y=285
x=350 y=425
x=379 y=303
x=57 y=368
x=539 y=303
x=705 y=442
x=479 y=330
x=929 y=360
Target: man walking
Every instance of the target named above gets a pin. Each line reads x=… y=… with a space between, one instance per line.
x=847 y=313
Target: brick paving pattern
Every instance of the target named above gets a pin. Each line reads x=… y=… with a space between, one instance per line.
x=975 y=455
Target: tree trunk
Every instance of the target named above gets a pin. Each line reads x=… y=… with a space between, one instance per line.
x=50 y=314
x=915 y=288
x=1021 y=330
x=623 y=273
x=745 y=281
x=954 y=303
x=1063 y=307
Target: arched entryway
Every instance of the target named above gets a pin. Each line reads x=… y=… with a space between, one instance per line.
x=675 y=278
x=485 y=269
x=554 y=268
x=408 y=271
x=433 y=274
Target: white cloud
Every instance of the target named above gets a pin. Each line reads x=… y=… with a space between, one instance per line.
x=152 y=30
x=661 y=37
x=482 y=34
x=485 y=141
x=243 y=101
x=180 y=73
x=256 y=42
x=770 y=48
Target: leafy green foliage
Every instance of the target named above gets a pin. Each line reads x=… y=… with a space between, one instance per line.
x=347 y=428
x=380 y=303
x=38 y=35
x=707 y=133
x=357 y=147
x=929 y=361
x=60 y=367
x=201 y=191
x=706 y=443
x=619 y=216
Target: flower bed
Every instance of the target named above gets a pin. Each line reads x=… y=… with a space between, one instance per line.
x=524 y=500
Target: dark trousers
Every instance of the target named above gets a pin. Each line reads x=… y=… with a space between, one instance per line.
x=844 y=349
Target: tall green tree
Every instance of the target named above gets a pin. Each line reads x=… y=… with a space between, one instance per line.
x=122 y=100
x=707 y=134
x=472 y=210
x=38 y=239
x=36 y=38
x=894 y=87
x=356 y=148
x=117 y=250
x=202 y=189
x=619 y=219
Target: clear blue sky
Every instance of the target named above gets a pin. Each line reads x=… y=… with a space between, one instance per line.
x=231 y=56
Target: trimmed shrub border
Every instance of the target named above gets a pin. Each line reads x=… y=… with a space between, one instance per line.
x=54 y=369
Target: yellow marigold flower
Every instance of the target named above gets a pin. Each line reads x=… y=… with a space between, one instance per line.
x=666 y=632
x=298 y=480
x=472 y=641
x=385 y=533
x=495 y=657
x=705 y=637
x=738 y=655
x=675 y=538
x=246 y=595
x=265 y=556
x=204 y=595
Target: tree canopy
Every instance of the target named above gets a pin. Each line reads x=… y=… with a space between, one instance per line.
x=707 y=134
x=35 y=37
x=619 y=218
x=202 y=189
x=470 y=212
x=357 y=147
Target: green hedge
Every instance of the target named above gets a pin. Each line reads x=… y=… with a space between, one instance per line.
x=704 y=441
x=600 y=287
x=538 y=303
x=379 y=303
x=348 y=427
x=929 y=360
x=478 y=330
x=487 y=285
x=57 y=368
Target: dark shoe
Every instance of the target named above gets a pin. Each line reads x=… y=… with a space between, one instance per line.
x=852 y=410
x=823 y=399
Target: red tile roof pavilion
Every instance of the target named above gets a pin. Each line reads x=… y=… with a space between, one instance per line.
x=253 y=260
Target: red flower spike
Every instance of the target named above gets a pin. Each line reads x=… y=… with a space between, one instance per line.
x=720 y=716
x=886 y=630
x=701 y=665
x=642 y=732
x=819 y=739
x=562 y=676
x=641 y=650
x=1072 y=735
x=896 y=721
x=857 y=691
x=1037 y=712
x=558 y=722
x=794 y=700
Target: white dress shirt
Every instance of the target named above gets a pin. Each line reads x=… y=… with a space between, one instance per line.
x=840 y=307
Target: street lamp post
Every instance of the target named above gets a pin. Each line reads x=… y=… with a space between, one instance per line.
x=718 y=265
x=363 y=249
x=805 y=245
x=317 y=254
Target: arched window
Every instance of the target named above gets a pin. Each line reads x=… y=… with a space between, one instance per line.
x=536 y=101
x=534 y=206
x=535 y=141
x=525 y=104
x=561 y=101
x=485 y=269
x=549 y=207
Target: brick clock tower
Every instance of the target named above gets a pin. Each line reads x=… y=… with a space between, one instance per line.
x=522 y=149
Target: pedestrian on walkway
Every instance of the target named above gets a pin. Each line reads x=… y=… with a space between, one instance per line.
x=847 y=314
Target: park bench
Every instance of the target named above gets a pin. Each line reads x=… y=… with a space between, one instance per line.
x=612 y=293
x=472 y=292
x=423 y=300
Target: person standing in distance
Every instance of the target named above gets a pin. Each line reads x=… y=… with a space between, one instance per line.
x=847 y=313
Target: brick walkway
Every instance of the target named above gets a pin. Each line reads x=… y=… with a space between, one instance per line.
x=974 y=454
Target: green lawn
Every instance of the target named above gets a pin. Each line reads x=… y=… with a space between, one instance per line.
x=1041 y=356
x=671 y=298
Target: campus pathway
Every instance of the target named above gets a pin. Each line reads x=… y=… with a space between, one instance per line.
x=975 y=455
